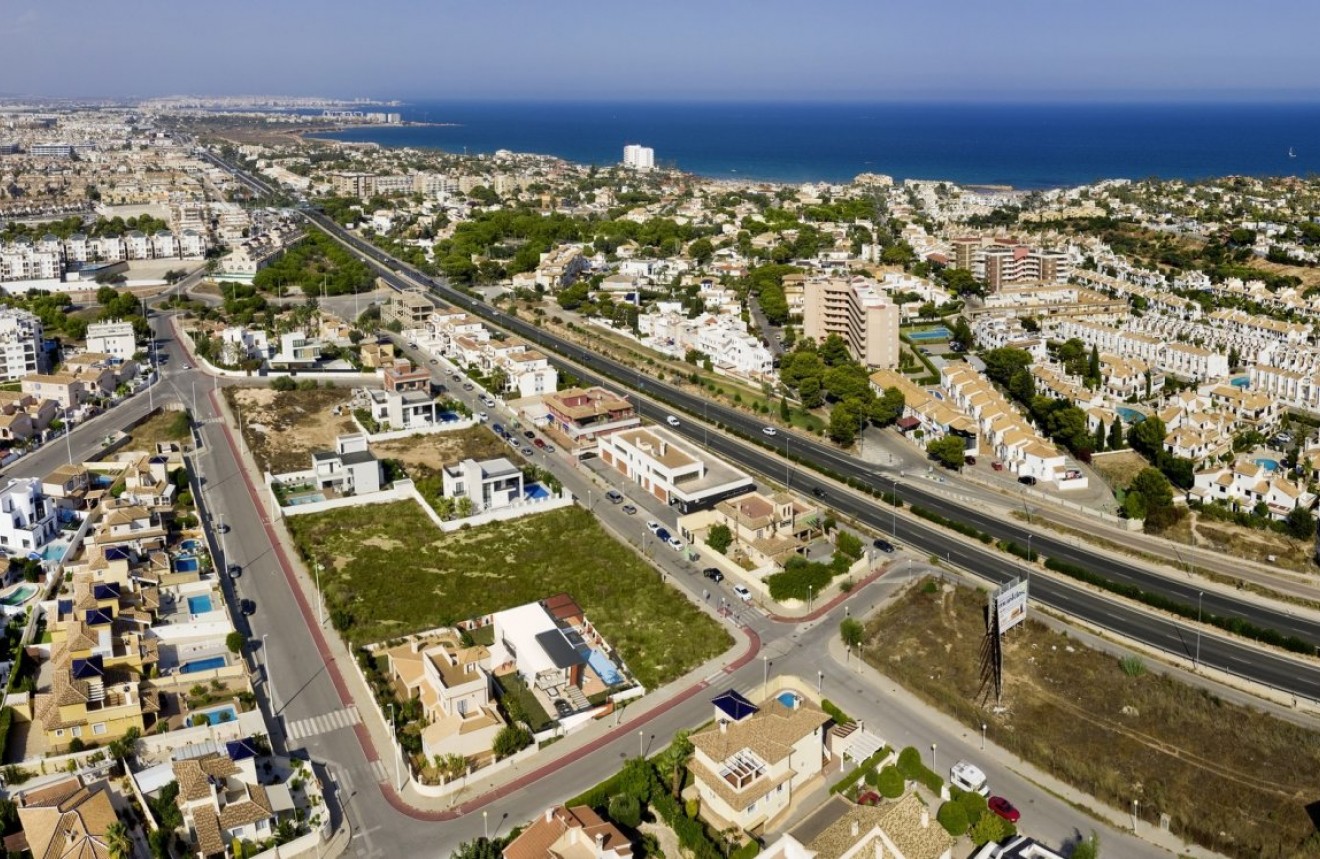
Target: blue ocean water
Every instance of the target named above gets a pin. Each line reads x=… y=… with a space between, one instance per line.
x=1026 y=146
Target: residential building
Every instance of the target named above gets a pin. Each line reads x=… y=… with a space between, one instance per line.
x=1246 y=484
x=115 y=338
x=67 y=819
x=68 y=391
x=403 y=410
x=350 y=469
x=22 y=345
x=27 y=517
x=749 y=765
x=297 y=350
x=559 y=267
x=533 y=641
x=239 y=344
x=223 y=800
x=376 y=355
x=854 y=309
x=638 y=157
x=410 y=308
x=670 y=470
x=67 y=486
x=403 y=376
x=569 y=833
x=577 y=418
x=490 y=483
x=758 y=518
x=901 y=829
x=454 y=687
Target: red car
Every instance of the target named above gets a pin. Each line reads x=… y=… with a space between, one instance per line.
x=539 y=443
x=1004 y=809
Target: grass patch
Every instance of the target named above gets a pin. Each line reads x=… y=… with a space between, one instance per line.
x=161 y=426
x=1118 y=469
x=1163 y=742
x=387 y=571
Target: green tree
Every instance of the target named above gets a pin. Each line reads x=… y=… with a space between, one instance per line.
x=1093 y=367
x=848 y=544
x=1147 y=438
x=834 y=352
x=479 y=848
x=451 y=766
x=888 y=407
x=953 y=818
x=118 y=841
x=719 y=537
x=1100 y=436
x=1300 y=523
x=1087 y=848
x=845 y=421
x=852 y=632
x=510 y=740
x=810 y=392
x=948 y=451
x=990 y=827
x=1002 y=363
x=673 y=761
x=464 y=507
x=785 y=414
x=890 y=783
x=1116 y=434
x=235 y=641
x=701 y=251
x=962 y=333
x=625 y=810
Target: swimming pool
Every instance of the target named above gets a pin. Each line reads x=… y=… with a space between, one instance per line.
x=187 y=564
x=199 y=604
x=190 y=545
x=19 y=595
x=311 y=498
x=1267 y=464
x=446 y=417
x=54 y=551
x=1241 y=382
x=1130 y=416
x=203 y=665
x=604 y=668
x=788 y=699
x=939 y=332
x=216 y=715
x=535 y=492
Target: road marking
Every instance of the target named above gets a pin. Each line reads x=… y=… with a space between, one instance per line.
x=379 y=771
x=323 y=723
x=714 y=676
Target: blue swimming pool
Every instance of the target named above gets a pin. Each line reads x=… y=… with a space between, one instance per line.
x=187 y=564
x=199 y=605
x=310 y=498
x=446 y=417
x=604 y=668
x=216 y=715
x=54 y=552
x=1267 y=464
x=788 y=699
x=203 y=665
x=939 y=332
x=535 y=492
x=1130 y=416
x=1241 y=382
x=190 y=545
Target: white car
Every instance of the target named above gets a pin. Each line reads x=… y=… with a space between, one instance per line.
x=483 y=417
x=769 y=430
x=742 y=592
x=652 y=525
x=489 y=403
x=672 y=421
x=676 y=544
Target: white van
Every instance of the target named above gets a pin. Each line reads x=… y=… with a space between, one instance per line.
x=967 y=776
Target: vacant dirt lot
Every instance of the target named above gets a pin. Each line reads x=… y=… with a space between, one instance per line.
x=1230 y=778
x=283 y=428
x=1119 y=468
x=1266 y=547
x=162 y=426
x=429 y=452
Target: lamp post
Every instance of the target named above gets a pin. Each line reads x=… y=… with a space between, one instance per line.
x=1196 y=663
x=1135 y=803
x=68 y=435
x=224 y=552
x=983 y=727
x=893 y=503
x=320 y=597
x=765 y=675
x=932 y=758
x=810 y=595
x=641 y=744
x=270 y=677
x=820 y=678
x=394 y=749
x=485 y=825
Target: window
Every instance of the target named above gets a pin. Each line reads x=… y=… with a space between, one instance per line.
x=77 y=730
x=98 y=728
x=59 y=732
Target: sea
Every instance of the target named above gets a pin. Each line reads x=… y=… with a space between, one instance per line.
x=1025 y=146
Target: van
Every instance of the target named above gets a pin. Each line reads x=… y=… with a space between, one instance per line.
x=967 y=776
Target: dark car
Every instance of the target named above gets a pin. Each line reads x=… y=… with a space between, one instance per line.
x=662 y=535
x=221 y=528
x=883 y=545
x=630 y=509
x=528 y=434
x=1027 y=480
x=713 y=574
x=235 y=571
x=498 y=429
x=539 y=443
x=1004 y=809
x=562 y=708
x=614 y=496
x=818 y=492
x=248 y=607
x=969 y=460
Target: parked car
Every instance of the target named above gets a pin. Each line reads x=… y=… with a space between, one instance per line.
x=1004 y=809
x=526 y=451
x=221 y=528
x=742 y=592
x=997 y=465
x=489 y=402
x=456 y=377
x=549 y=448
x=482 y=417
x=1027 y=480
x=769 y=431
x=498 y=429
x=663 y=535
x=653 y=526
x=563 y=708
x=883 y=545
x=629 y=509
x=615 y=496
x=248 y=607
x=528 y=434
x=434 y=360
x=969 y=460
x=713 y=574
x=676 y=544
x=467 y=386
x=235 y=571
x=539 y=443
x=672 y=421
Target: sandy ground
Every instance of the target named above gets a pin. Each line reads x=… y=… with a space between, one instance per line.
x=284 y=428
x=431 y=451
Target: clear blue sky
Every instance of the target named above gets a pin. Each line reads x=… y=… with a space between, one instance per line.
x=879 y=50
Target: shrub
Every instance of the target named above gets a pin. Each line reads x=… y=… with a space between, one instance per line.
x=1132 y=666
x=952 y=817
x=865 y=767
x=800 y=579
x=510 y=740
x=991 y=827
x=625 y=810
x=839 y=717
x=719 y=538
x=890 y=783
x=973 y=804
x=909 y=761
x=747 y=851
x=848 y=545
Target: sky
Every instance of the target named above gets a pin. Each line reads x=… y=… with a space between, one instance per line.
x=670 y=50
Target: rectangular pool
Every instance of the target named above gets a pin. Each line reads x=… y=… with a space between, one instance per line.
x=186 y=564
x=203 y=665
x=937 y=333
x=199 y=605
x=217 y=715
x=535 y=492
x=312 y=498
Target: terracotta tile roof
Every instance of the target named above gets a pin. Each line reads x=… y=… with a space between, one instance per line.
x=68 y=826
x=901 y=823
x=546 y=832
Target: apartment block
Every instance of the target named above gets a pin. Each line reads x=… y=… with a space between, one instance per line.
x=115 y=338
x=22 y=344
x=854 y=309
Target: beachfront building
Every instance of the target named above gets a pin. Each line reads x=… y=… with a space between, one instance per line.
x=638 y=157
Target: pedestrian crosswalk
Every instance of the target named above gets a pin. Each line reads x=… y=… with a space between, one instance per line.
x=324 y=723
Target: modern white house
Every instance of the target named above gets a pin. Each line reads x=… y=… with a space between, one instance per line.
x=350 y=468
x=297 y=350
x=27 y=517
x=403 y=410
x=115 y=338
x=673 y=472
x=544 y=652
x=490 y=483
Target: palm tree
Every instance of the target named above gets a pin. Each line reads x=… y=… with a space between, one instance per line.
x=118 y=841
x=451 y=766
x=674 y=759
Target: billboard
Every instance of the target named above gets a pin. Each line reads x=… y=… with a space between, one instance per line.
x=1009 y=604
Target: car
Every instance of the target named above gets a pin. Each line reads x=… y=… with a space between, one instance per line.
x=997 y=465
x=467 y=386
x=526 y=451
x=483 y=417
x=652 y=525
x=672 y=421
x=498 y=429
x=456 y=377
x=713 y=574
x=614 y=496
x=818 y=492
x=676 y=544
x=630 y=509
x=1027 y=480
x=563 y=708
x=488 y=402
x=235 y=571
x=969 y=460
x=742 y=592
x=549 y=448
x=412 y=345
x=771 y=431
x=539 y=443
x=528 y=434
x=221 y=528
x=248 y=607
x=512 y=442
x=434 y=360
x=663 y=535
x=883 y=545
x=1004 y=809
x=187 y=366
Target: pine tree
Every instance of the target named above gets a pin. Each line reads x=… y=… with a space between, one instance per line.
x=1099 y=436
x=1116 y=434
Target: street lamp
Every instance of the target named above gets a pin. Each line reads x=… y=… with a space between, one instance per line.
x=810 y=594
x=1196 y=663
x=320 y=597
x=485 y=824
x=765 y=675
x=270 y=677
x=983 y=727
x=932 y=758
x=641 y=745
x=893 y=504
x=820 y=678
x=68 y=434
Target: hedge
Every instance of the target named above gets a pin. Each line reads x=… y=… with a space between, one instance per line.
x=1017 y=549
x=961 y=528
x=747 y=851
x=911 y=767
x=6 y=720
x=953 y=818
x=860 y=772
x=839 y=717
x=1235 y=625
